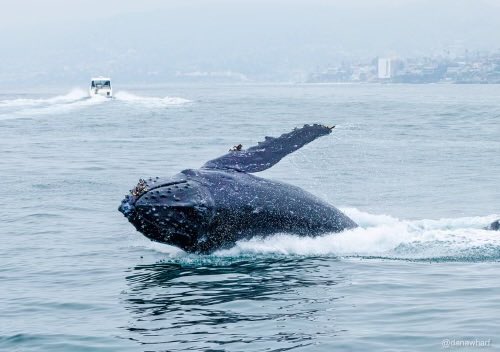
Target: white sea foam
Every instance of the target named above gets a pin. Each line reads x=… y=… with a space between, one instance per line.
x=74 y=95
x=74 y=100
x=388 y=237
x=78 y=99
x=151 y=102
x=60 y=108
x=379 y=236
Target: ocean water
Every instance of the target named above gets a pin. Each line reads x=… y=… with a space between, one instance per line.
x=417 y=166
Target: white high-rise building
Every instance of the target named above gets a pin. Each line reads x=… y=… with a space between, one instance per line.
x=385 y=68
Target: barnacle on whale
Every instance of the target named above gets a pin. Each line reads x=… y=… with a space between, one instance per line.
x=140 y=189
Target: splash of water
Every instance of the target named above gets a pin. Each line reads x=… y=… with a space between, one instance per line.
x=74 y=100
x=379 y=236
x=78 y=99
x=151 y=102
x=74 y=95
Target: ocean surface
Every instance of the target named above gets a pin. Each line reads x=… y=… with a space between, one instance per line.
x=416 y=166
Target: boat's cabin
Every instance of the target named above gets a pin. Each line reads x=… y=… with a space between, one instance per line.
x=100 y=83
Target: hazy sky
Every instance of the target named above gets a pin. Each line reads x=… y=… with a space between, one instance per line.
x=55 y=40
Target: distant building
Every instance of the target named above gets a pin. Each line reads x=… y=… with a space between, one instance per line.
x=385 y=68
x=478 y=68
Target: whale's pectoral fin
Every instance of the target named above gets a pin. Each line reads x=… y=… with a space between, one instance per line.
x=267 y=153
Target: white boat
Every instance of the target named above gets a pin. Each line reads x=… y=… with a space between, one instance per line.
x=101 y=86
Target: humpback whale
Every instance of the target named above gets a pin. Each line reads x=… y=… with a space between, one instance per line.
x=213 y=207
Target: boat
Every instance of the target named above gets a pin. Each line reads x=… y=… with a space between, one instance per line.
x=100 y=86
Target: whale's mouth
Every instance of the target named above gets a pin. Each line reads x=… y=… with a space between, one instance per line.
x=172 y=211
x=170 y=225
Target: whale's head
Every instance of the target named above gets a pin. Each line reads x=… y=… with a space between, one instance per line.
x=174 y=211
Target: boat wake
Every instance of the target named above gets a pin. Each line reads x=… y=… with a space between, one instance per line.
x=78 y=99
x=380 y=237
x=74 y=100
x=74 y=95
x=151 y=102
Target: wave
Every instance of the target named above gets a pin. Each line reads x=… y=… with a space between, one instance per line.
x=380 y=237
x=77 y=99
x=151 y=102
x=60 y=108
x=74 y=95
x=74 y=100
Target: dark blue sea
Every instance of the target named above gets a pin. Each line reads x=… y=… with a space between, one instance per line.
x=416 y=166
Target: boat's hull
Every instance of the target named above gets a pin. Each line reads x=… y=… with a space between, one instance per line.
x=108 y=93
